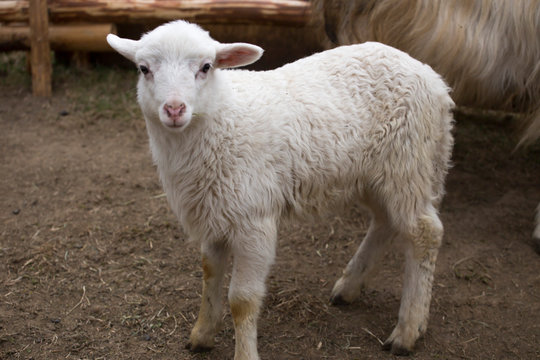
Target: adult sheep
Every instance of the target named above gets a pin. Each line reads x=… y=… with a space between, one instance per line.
x=237 y=151
x=487 y=50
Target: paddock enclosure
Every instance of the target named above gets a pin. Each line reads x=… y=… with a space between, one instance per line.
x=94 y=266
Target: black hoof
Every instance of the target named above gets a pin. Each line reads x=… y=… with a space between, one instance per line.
x=396 y=350
x=338 y=301
x=400 y=351
x=536 y=245
x=198 y=348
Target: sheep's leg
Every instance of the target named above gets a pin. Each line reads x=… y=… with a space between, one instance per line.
x=251 y=264
x=420 y=257
x=363 y=263
x=214 y=263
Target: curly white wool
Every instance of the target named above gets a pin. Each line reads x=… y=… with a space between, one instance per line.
x=237 y=151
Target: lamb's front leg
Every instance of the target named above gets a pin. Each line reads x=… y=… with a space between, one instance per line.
x=253 y=254
x=214 y=262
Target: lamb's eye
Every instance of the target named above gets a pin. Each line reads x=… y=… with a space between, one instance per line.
x=206 y=67
x=144 y=69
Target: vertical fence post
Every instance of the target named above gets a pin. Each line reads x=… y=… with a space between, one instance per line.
x=40 y=52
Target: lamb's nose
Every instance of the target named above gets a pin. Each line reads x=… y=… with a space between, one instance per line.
x=174 y=110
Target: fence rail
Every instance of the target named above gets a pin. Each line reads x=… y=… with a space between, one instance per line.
x=282 y=12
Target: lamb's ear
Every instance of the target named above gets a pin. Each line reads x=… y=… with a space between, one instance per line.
x=236 y=54
x=125 y=47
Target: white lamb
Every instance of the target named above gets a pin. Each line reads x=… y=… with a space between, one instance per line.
x=237 y=151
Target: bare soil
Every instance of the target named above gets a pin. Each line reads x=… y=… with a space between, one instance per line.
x=94 y=266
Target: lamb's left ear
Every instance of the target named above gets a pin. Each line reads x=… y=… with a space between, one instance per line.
x=236 y=54
x=125 y=47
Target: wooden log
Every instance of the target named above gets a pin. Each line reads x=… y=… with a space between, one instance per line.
x=14 y=10
x=69 y=37
x=283 y=12
x=40 y=52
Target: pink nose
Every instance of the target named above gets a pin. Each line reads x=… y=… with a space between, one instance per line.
x=174 y=110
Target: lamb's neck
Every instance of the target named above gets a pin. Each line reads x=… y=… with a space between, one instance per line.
x=174 y=152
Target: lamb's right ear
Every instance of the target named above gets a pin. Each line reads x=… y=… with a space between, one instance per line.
x=125 y=47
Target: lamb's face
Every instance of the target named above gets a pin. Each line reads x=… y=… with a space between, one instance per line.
x=176 y=62
x=169 y=88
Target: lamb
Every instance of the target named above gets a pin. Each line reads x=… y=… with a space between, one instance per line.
x=488 y=51
x=240 y=151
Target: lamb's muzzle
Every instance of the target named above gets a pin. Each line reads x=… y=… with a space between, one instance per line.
x=175 y=111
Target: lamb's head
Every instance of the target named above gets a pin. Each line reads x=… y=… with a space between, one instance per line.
x=177 y=63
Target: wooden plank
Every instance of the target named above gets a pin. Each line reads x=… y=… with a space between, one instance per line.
x=40 y=52
x=67 y=37
x=283 y=12
x=14 y=10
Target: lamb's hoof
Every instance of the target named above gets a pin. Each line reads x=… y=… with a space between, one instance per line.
x=395 y=349
x=338 y=300
x=536 y=245
x=198 y=348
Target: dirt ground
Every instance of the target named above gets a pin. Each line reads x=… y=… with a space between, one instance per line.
x=94 y=266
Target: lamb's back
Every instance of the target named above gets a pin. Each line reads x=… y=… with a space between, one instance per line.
x=311 y=125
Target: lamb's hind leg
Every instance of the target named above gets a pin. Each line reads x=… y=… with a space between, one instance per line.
x=420 y=257
x=364 y=261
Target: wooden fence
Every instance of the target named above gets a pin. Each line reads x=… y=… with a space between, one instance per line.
x=41 y=25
